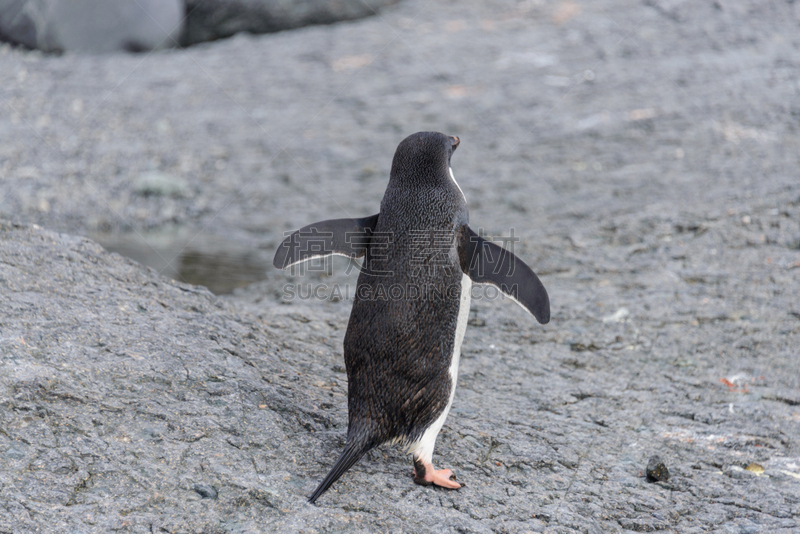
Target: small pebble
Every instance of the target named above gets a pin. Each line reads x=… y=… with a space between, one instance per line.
x=656 y=470
x=205 y=491
x=476 y=321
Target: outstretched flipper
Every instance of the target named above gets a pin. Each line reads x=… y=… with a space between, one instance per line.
x=487 y=263
x=345 y=237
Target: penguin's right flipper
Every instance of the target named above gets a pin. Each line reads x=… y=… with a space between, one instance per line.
x=345 y=237
x=349 y=457
x=487 y=263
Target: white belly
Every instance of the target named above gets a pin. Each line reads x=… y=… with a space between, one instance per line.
x=423 y=449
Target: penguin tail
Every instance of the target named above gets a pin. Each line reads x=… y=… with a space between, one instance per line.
x=349 y=457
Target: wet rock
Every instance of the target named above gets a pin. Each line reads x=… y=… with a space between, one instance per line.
x=656 y=470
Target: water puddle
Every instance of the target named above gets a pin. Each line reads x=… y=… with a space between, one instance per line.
x=185 y=255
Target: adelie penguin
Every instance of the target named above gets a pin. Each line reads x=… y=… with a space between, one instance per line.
x=403 y=341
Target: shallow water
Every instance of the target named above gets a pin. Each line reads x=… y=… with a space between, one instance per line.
x=192 y=256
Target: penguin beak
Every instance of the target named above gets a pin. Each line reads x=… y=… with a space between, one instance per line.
x=456 y=142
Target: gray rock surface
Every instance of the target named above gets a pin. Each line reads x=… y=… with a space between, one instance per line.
x=207 y=20
x=646 y=155
x=93 y=26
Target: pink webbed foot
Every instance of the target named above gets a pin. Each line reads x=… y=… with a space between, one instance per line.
x=425 y=475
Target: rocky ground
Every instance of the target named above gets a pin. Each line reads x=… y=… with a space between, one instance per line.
x=645 y=153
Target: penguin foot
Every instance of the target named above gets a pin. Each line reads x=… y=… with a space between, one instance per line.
x=425 y=475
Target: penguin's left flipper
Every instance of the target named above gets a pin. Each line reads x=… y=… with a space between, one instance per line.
x=487 y=263
x=345 y=237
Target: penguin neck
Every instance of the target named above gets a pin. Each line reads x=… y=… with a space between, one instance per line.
x=422 y=207
x=453 y=179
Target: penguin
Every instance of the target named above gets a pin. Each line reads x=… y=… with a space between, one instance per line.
x=411 y=304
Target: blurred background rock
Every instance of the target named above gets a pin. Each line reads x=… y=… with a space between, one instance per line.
x=100 y=26
x=91 y=25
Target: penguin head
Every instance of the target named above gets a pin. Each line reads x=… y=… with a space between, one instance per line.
x=423 y=159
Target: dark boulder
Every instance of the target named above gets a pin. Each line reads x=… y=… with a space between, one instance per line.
x=207 y=20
